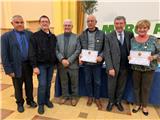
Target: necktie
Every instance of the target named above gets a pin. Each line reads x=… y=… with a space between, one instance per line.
x=23 y=46
x=121 y=39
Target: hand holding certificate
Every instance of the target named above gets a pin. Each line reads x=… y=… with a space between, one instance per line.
x=139 y=58
x=89 y=56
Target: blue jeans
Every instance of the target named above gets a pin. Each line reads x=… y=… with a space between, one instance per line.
x=44 y=85
x=93 y=80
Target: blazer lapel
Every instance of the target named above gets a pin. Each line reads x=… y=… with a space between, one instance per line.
x=115 y=40
x=126 y=37
x=27 y=36
x=14 y=39
x=70 y=42
x=62 y=43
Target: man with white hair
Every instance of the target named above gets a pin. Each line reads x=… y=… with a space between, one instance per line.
x=67 y=51
x=15 y=61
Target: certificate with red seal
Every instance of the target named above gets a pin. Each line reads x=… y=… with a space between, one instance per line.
x=139 y=58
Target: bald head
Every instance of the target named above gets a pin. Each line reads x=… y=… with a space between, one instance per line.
x=91 y=22
x=91 y=17
x=68 y=25
x=68 y=21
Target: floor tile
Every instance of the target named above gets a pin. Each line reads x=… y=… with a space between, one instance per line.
x=37 y=117
x=5 y=113
x=4 y=86
x=83 y=115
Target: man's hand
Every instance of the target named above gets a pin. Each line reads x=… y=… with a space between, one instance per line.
x=112 y=72
x=99 y=59
x=65 y=62
x=80 y=61
x=129 y=57
x=11 y=74
x=36 y=71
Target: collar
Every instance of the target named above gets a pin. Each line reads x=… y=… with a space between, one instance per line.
x=92 y=31
x=45 y=32
x=67 y=34
x=19 y=32
x=117 y=33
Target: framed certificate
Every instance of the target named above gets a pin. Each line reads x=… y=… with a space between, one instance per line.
x=89 y=56
x=139 y=58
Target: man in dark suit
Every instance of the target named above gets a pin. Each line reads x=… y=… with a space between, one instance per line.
x=67 y=51
x=15 y=61
x=116 y=51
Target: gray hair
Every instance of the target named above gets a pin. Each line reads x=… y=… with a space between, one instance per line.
x=120 y=18
x=16 y=16
x=68 y=20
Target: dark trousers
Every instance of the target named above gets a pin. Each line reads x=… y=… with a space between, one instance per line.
x=69 y=81
x=116 y=86
x=44 y=83
x=18 y=84
x=142 y=82
x=93 y=80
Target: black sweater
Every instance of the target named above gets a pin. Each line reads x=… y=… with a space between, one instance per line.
x=42 y=48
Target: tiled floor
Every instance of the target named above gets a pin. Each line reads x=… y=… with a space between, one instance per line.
x=63 y=112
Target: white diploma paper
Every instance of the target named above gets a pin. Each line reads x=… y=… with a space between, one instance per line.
x=89 y=56
x=139 y=58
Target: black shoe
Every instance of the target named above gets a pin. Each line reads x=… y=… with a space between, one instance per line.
x=49 y=104
x=136 y=110
x=41 y=109
x=109 y=106
x=119 y=106
x=32 y=104
x=145 y=113
x=20 y=108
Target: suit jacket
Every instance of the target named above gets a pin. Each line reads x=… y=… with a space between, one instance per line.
x=112 y=51
x=73 y=50
x=11 y=54
x=99 y=41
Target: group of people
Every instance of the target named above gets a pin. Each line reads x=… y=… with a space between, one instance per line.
x=25 y=53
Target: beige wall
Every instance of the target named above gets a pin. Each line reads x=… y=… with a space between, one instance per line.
x=31 y=10
x=28 y=9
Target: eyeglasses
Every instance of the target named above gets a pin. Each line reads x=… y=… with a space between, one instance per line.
x=19 y=22
x=67 y=25
x=44 y=21
x=90 y=21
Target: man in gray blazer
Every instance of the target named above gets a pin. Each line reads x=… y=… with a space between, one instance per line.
x=116 y=51
x=67 y=51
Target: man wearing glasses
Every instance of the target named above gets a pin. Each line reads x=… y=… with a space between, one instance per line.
x=42 y=54
x=15 y=61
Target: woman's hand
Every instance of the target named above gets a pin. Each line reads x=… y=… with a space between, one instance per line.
x=36 y=71
x=152 y=57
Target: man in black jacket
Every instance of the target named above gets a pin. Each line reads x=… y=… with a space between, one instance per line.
x=15 y=61
x=43 y=58
x=93 y=39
